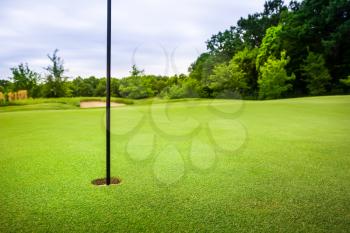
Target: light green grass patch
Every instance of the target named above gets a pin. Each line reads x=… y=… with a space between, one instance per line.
x=290 y=173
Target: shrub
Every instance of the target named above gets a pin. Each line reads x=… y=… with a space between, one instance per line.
x=227 y=78
x=187 y=88
x=274 y=81
x=134 y=87
x=316 y=73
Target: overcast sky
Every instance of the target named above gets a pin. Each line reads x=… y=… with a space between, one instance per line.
x=160 y=36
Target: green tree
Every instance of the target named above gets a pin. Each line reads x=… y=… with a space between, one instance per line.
x=85 y=87
x=323 y=26
x=246 y=60
x=5 y=86
x=115 y=85
x=346 y=81
x=270 y=46
x=186 y=87
x=55 y=85
x=228 y=78
x=25 y=79
x=101 y=88
x=274 y=81
x=225 y=44
x=174 y=92
x=249 y=31
x=253 y=28
x=135 y=87
x=203 y=67
x=136 y=72
x=156 y=83
x=81 y=88
x=316 y=73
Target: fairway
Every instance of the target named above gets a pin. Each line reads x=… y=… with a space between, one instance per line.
x=186 y=166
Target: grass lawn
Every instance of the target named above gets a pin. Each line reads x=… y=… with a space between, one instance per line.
x=199 y=165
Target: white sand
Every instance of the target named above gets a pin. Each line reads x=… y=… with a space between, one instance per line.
x=98 y=104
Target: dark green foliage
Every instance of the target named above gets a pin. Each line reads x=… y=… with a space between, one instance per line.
x=345 y=84
x=5 y=85
x=246 y=36
x=204 y=65
x=55 y=84
x=324 y=27
x=316 y=74
x=25 y=79
x=139 y=85
x=246 y=60
x=346 y=81
x=254 y=27
x=226 y=43
x=101 y=87
x=185 y=88
x=135 y=71
x=84 y=87
x=321 y=26
x=249 y=31
x=135 y=87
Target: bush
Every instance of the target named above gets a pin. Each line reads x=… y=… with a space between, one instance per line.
x=246 y=60
x=316 y=73
x=135 y=87
x=273 y=82
x=227 y=78
x=175 y=92
x=187 y=88
x=270 y=45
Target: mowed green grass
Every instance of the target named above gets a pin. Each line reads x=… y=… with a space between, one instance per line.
x=200 y=165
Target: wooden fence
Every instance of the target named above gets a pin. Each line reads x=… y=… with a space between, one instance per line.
x=2 y=97
x=12 y=96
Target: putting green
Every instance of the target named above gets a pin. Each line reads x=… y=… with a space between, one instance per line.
x=199 y=165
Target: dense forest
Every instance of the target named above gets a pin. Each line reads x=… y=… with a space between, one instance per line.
x=299 y=49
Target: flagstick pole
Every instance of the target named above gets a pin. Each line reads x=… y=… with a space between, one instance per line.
x=108 y=93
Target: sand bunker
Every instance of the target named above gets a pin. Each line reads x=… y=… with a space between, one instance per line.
x=98 y=104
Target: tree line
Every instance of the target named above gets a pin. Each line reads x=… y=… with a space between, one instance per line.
x=298 y=49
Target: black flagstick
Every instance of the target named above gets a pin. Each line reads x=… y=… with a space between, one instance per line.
x=108 y=92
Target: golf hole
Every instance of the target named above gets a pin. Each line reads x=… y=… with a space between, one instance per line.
x=103 y=181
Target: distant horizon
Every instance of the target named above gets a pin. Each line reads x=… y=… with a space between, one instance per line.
x=162 y=38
